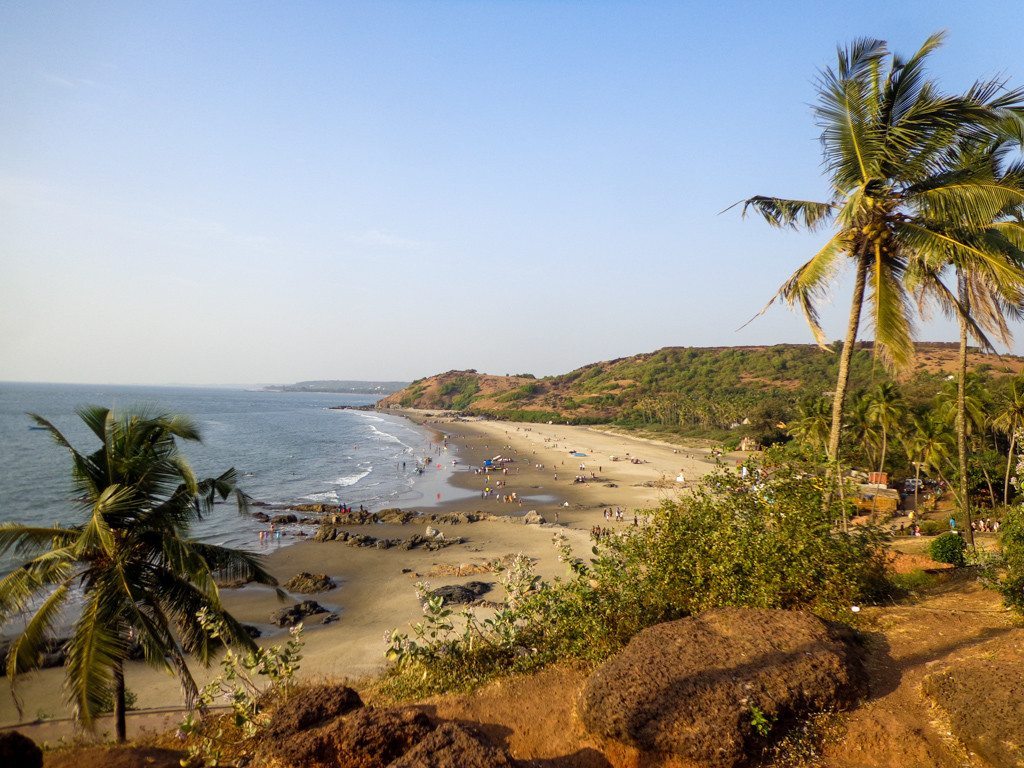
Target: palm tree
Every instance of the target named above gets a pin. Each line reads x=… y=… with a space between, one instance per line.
x=983 y=246
x=1008 y=419
x=142 y=579
x=863 y=428
x=885 y=408
x=811 y=427
x=928 y=446
x=886 y=131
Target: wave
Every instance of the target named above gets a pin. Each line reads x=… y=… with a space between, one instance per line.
x=392 y=438
x=347 y=480
x=328 y=496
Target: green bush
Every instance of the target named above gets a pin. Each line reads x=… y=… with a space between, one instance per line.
x=933 y=527
x=948 y=548
x=767 y=544
x=1011 y=536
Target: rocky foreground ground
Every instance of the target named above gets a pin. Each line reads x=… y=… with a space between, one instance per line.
x=931 y=682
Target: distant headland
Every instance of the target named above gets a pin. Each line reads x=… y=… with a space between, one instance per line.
x=341 y=387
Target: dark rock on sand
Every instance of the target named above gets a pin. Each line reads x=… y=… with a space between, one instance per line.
x=987 y=718
x=466 y=593
x=19 y=751
x=691 y=688
x=289 y=617
x=309 y=583
x=311 y=707
x=284 y=519
x=451 y=745
x=263 y=517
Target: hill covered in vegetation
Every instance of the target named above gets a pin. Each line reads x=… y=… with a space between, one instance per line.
x=709 y=391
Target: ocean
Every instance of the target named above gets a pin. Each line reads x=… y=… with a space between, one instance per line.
x=288 y=447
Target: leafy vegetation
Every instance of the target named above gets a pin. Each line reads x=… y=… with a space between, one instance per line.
x=766 y=541
x=240 y=686
x=948 y=548
x=142 y=578
x=1011 y=536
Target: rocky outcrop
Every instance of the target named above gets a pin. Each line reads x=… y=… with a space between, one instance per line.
x=328 y=727
x=19 y=751
x=467 y=593
x=533 y=517
x=450 y=745
x=289 y=617
x=311 y=707
x=329 y=532
x=309 y=583
x=718 y=688
x=987 y=718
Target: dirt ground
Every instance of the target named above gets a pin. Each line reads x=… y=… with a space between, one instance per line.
x=535 y=716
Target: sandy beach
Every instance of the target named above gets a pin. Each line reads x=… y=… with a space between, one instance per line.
x=376 y=588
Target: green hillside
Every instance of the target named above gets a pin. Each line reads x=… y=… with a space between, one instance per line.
x=706 y=391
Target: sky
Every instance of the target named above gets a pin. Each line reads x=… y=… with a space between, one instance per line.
x=240 y=193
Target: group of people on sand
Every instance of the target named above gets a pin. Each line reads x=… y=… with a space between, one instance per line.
x=985 y=525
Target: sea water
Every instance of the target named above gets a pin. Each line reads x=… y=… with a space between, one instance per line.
x=287 y=447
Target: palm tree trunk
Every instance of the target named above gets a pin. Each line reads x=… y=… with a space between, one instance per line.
x=843 y=379
x=119 y=703
x=988 y=482
x=917 y=484
x=1009 y=463
x=881 y=463
x=961 y=405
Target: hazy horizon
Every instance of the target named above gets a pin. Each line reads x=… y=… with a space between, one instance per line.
x=212 y=193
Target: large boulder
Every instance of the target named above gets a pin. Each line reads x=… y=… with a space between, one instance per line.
x=466 y=593
x=19 y=751
x=717 y=688
x=533 y=517
x=453 y=746
x=984 y=701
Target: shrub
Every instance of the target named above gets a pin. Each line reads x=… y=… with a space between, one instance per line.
x=933 y=528
x=765 y=543
x=1011 y=536
x=948 y=548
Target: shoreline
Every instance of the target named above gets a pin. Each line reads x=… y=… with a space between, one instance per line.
x=376 y=588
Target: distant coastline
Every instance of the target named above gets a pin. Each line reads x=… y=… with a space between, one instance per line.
x=341 y=387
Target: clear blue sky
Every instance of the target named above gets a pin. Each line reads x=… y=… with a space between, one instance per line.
x=247 y=192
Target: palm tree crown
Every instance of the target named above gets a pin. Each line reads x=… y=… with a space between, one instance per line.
x=142 y=578
x=887 y=134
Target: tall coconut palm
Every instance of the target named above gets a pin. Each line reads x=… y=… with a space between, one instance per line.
x=983 y=248
x=1008 y=419
x=886 y=129
x=142 y=579
x=885 y=408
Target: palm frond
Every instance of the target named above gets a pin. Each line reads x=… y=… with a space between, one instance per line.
x=93 y=650
x=783 y=213
x=27 y=538
x=27 y=647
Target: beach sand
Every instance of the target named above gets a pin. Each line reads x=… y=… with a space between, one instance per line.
x=374 y=595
